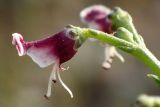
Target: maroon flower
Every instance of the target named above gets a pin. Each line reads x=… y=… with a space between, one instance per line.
x=56 y=49
x=96 y=17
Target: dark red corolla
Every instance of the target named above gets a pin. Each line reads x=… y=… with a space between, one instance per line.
x=56 y=49
x=96 y=17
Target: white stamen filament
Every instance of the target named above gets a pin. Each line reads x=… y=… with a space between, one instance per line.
x=52 y=77
x=53 y=74
x=48 y=94
x=63 y=69
x=108 y=60
x=119 y=56
x=109 y=53
x=63 y=84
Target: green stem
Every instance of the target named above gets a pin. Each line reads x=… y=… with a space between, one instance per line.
x=149 y=59
x=101 y=36
x=141 y=52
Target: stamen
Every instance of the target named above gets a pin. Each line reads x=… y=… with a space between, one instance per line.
x=109 y=53
x=112 y=51
x=52 y=77
x=63 y=84
x=48 y=94
x=45 y=96
x=64 y=69
x=54 y=81
x=106 y=65
x=119 y=56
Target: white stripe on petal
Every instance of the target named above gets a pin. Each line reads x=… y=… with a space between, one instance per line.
x=21 y=50
x=19 y=45
x=41 y=56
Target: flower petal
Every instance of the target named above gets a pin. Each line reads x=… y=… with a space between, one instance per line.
x=19 y=43
x=41 y=56
x=94 y=12
x=58 y=47
x=96 y=17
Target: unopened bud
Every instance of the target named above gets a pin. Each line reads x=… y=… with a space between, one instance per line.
x=120 y=18
x=124 y=34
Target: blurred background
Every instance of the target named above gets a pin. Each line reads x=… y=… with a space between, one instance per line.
x=23 y=83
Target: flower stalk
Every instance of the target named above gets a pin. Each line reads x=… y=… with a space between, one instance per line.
x=140 y=52
x=126 y=38
x=97 y=17
x=114 y=27
x=55 y=49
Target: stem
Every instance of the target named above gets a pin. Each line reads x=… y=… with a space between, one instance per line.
x=101 y=36
x=141 y=52
x=149 y=59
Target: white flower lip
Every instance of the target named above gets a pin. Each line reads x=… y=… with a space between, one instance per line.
x=18 y=42
x=41 y=56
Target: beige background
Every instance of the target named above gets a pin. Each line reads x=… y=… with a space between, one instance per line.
x=23 y=83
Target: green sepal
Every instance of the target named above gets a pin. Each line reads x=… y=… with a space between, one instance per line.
x=79 y=40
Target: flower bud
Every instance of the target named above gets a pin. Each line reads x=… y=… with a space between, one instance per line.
x=124 y=34
x=96 y=17
x=120 y=18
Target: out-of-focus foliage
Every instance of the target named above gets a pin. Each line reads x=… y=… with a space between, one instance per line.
x=23 y=83
x=147 y=101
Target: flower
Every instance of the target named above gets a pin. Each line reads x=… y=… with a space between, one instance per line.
x=56 y=49
x=96 y=17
